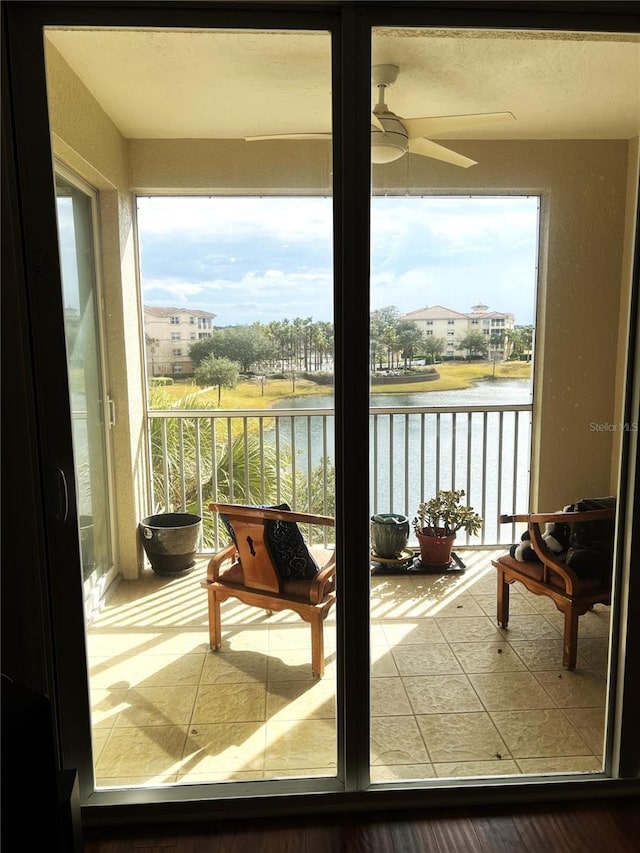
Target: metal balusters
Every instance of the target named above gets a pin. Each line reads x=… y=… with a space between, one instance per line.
x=424 y=455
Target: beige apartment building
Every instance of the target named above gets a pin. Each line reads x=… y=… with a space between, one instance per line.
x=169 y=333
x=452 y=326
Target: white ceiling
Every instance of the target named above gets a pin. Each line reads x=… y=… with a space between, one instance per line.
x=230 y=84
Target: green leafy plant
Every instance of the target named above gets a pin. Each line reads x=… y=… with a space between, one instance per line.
x=445 y=514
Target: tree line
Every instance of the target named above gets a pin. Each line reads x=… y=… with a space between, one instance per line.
x=284 y=345
x=301 y=345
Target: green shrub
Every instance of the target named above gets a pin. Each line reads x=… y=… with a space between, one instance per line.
x=320 y=377
x=419 y=369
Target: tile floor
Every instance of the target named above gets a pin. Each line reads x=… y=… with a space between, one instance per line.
x=452 y=694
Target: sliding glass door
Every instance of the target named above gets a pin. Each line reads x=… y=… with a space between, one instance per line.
x=91 y=414
x=244 y=191
x=473 y=257
x=239 y=277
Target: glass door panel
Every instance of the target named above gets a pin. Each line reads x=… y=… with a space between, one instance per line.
x=229 y=132
x=89 y=405
x=463 y=231
x=473 y=256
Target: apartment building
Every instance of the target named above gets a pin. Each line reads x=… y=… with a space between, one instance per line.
x=169 y=333
x=453 y=326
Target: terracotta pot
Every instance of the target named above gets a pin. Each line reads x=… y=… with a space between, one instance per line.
x=435 y=550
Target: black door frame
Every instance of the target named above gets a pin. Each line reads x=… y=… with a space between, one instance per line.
x=34 y=282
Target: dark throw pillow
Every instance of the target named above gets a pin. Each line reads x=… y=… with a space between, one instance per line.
x=590 y=552
x=224 y=518
x=288 y=549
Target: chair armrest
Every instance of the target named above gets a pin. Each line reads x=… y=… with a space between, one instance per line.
x=547 y=557
x=550 y=560
x=215 y=563
x=561 y=517
x=321 y=580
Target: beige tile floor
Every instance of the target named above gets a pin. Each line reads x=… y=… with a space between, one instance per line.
x=452 y=694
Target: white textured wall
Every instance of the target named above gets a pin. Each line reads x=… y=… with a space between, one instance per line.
x=230 y=166
x=83 y=135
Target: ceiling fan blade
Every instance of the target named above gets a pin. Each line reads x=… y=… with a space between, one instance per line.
x=288 y=136
x=375 y=121
x=431 y=125
x=438 y=152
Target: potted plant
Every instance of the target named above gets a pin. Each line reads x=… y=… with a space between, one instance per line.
x=437 y=522
x=170 y=541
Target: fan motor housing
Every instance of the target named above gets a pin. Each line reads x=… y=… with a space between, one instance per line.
x=390 y=145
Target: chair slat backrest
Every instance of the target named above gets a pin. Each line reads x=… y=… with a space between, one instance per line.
x=257 y=566
x=249 y=534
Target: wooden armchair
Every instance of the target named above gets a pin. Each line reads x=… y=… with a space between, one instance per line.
x=572 y=593
x=270 y=566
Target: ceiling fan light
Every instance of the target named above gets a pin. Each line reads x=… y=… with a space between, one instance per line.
x=385 y=151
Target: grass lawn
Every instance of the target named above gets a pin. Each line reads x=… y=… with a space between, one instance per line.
x=459 y=374
x=249 y=395
x=246 y=394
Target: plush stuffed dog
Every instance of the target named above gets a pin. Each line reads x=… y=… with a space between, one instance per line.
x=556 y=538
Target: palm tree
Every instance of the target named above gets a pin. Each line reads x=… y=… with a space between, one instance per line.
x=433 y=347
x=409 y=339
x=322 y=342
x=474 y=343
x=182 y=456
x=383 y=325
x=152 y=345
x=191 y=466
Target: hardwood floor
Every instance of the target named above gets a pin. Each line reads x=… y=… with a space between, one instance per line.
x=586 y=827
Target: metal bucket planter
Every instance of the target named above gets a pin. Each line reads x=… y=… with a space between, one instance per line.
x=389 y=534
x=170 y=541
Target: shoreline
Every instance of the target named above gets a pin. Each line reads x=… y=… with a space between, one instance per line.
x=249 y=394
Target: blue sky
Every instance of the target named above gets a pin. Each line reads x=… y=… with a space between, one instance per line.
x=247 y=259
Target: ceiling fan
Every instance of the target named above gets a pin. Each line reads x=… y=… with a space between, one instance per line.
x=392 y=136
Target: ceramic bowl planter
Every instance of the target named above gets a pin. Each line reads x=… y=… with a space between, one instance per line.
x=389 y=535
x=170 y=541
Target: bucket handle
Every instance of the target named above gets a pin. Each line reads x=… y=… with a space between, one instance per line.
x=147 y=532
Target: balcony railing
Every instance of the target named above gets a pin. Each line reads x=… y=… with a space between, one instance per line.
x=277 y=455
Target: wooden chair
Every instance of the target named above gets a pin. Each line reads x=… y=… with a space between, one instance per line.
x=254 y=576
x=572 y=595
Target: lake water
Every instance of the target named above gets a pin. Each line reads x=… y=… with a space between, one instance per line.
x=413 y=455
x=501 y=392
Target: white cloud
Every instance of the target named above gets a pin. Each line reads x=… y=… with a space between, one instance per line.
x=180 y=291
x=281 y=219
x=425 y=251
x=254 y=295
x=463 y=225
